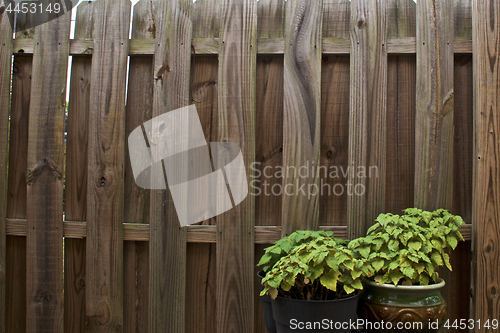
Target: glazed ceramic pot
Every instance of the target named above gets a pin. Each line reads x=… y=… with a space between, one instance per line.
x=388 y=308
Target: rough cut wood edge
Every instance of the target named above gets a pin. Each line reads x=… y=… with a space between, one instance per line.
x=5 y=70
x=195 y=233
x=264 y=46
x=485 y=302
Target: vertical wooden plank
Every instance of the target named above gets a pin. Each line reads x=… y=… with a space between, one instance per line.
x=368 y=107
x=139 y=110
x=76 y=175
x=16 y=202
x=268 y=135
x=106 y=135
x=463 y=144
x=5 y=77
x=434 y=114
x=44 y=265
x=269 y=115
x=167 y=247
x=401 y=79
x=201 y=258
x=334 y=117
x=302 y=115
x=434 y=117
x=486 y=202
x=235 y=234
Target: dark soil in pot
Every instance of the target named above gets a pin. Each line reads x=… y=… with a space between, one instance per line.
x=292 y=315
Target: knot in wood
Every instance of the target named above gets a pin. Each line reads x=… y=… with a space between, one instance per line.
x=361 y=22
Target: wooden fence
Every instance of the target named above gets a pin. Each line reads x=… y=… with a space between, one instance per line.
x=329 y=83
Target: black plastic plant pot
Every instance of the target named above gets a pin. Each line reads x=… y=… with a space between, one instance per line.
x=268 y=308
x=292 y=315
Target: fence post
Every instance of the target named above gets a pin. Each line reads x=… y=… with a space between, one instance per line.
x=486 y=182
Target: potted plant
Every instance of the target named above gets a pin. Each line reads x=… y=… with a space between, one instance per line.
x=274 y=253
x=315 y=286
x=405 y=252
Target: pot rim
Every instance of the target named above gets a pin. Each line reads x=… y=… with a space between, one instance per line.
x=438 y=285
x=356 y=294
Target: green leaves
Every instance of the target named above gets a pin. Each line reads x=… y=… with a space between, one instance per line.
x=322 y=263
x=408 y=249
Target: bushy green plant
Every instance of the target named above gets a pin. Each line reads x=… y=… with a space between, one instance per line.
x=322 y=268
x=408 y=249
x=286 y=244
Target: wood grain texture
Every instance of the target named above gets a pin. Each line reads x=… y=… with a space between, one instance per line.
x=16 y=202
x=368 y=108
x=5 y=77
x=302 y=115
x=486 y=202
x=76 y=176
x=138 y=110
x=434 y=114
x=167 y=248
x=44 y=264
x=334 y=116
x=401 y=78
x=106 y=135
x=459 y=280
x=236 y=95
x=201 y=269
x=269 y=116
x=269 y=133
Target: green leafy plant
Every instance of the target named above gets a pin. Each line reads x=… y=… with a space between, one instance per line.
x=408 y=249
x=285 y=245
x=321 y=268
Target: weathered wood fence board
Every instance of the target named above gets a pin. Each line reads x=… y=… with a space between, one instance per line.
x=44 y=265
x=76 y=175
x=302 y=114
x=401 y=78
x=368 y=108
x=5 y=75
x=16 y=201
x=106 y=135
x=139 y=110
x=167 y=250
x=288 y=82
x=236 y=113
x=486 y=203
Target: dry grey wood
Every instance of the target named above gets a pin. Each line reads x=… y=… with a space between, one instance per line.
x=104 y=287
x=167 y=248
x=44 y=266
x=302 y=113
x=236 y=98
x=368 y=108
